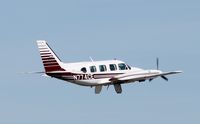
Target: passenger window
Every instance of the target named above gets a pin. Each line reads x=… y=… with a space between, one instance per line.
x=93 y=69
x=102 y=68
x=122 y=66
x=84 y=69
x=113 y=67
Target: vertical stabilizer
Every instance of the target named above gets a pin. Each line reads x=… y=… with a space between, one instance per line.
x=50 y=60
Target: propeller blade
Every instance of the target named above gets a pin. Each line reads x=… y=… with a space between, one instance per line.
x=150 y=79
x=108 y=87
x=165 y=78
x=157 y=63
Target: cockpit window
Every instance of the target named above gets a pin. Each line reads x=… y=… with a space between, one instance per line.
x=84 y=69
x=102 y=68
x=122 y=66
x=113 y=67
x=93 y=68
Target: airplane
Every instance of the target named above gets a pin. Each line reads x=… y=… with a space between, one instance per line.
x=96 y=73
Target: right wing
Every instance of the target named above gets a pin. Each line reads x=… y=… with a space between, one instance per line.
x=132 y=77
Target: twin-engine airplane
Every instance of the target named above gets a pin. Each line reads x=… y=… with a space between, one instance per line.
x=96 y=73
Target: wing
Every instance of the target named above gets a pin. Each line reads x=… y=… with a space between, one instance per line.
x=132 y=77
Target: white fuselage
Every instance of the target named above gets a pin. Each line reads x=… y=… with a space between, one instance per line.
x=92 y=78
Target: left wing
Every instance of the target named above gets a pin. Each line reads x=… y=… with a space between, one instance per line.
x=131 y=77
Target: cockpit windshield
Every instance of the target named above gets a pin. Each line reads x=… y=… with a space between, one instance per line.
x=123 y=66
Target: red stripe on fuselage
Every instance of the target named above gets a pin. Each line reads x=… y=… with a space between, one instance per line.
x=77 y=76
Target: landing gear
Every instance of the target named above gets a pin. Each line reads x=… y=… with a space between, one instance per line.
x=98 y=89
x=118 y=88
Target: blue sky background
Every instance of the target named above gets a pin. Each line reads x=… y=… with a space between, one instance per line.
x=136 y=31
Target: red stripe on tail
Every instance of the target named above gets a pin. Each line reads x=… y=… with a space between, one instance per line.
x=50 y=60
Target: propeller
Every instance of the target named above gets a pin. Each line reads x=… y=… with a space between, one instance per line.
x=150 y=79
x=157 y=67
x=108 y=86
x=165 y=78
x=157 y=63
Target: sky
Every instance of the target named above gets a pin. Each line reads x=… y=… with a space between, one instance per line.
x=135 y=31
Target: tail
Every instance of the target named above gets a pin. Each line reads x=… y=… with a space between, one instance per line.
x=50 y=61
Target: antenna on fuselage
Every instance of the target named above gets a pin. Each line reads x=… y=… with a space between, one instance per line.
x=91 y=59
